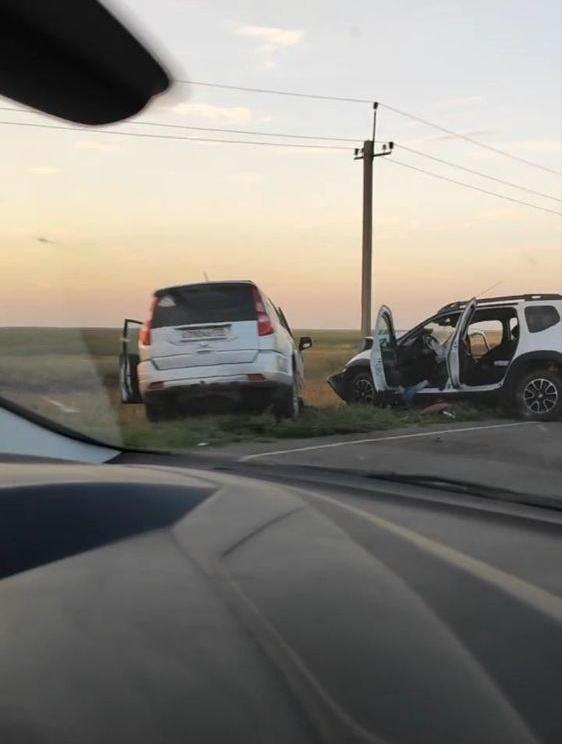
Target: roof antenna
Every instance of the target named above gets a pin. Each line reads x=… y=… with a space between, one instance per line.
x=206 y=277
x=485 y=291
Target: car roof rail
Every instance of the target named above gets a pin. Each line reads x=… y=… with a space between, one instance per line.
x=506 y=298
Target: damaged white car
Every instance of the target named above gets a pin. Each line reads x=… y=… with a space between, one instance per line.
x=505 y=348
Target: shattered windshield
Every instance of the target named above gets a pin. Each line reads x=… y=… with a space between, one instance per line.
x=207 y=275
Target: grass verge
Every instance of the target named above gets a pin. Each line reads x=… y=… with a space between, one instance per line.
x=222 y=430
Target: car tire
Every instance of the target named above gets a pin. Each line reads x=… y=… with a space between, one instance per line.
x=289 y=404
x=537 y=395
x=361 y=389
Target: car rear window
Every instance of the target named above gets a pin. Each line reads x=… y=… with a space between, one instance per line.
x=541 y=317
x=205 y=303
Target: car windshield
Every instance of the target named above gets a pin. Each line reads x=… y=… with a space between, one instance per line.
x=206 y=275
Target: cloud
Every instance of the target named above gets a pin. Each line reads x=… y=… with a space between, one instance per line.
x=94 y=145
x=270 y=39
x=213 y=114
x=43 y=170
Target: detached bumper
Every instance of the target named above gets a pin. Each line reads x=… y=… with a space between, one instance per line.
x=338 y=383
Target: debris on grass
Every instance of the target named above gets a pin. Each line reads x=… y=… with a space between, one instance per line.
x=434 y=408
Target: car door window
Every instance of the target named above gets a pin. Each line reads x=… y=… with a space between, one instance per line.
x=441 y=327
x=384 y=332
x=483 y=336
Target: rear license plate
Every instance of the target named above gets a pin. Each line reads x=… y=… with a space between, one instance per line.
x=192 y=334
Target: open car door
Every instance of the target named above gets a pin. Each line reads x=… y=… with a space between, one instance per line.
x=383 y=351
x=457 y=343
x=128 y=361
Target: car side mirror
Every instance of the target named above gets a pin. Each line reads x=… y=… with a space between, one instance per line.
x=305 y=342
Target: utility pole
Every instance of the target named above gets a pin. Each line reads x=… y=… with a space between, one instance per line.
x=367 y=154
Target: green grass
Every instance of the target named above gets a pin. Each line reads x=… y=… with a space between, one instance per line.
x=71 y=376
x=220 y=430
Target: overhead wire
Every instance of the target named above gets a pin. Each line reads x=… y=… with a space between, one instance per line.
x=287 y=135
x=168 y=125
x=170 y=136
x=471 y=186
x=267 y=144
x=400 y=112
x=476 y=172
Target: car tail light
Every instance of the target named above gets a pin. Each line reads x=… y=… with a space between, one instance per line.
x=265 y=326
x=145 y=334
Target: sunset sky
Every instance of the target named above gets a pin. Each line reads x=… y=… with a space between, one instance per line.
x=91 y=223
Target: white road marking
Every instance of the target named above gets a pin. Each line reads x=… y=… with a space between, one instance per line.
x=349 y=442
x=533 y=596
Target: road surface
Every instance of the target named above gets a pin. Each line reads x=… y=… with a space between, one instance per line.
x=521 y=456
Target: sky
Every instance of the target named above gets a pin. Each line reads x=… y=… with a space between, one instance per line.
x=92 y=222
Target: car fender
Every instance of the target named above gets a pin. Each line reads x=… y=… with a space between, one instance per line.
x=532 y=358
x=360 y=359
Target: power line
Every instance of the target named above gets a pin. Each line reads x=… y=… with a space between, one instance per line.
x=290 y=93
x=168 y=125
x=473 y=141
x=471 y=186
x=477 y=173
x=400 y=112
x=287 y=135
x=265 y=144
x=171 y=137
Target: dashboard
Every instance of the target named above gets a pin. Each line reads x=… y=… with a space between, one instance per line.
x=154 y=599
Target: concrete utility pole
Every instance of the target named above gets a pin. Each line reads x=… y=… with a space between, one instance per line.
x=367 y=154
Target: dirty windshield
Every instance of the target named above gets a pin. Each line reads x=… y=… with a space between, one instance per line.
x=335 y=241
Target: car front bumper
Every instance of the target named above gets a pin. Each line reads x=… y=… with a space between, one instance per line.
x=339 y=384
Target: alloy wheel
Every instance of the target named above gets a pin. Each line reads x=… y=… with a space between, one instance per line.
x=540 y=395
x=363 y=390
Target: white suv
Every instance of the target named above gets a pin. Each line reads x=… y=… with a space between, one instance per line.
x=210 y=342
x=506 y=347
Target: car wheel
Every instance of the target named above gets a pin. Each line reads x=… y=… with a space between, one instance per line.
x=289 y=405
x=362 y=389
x=538 y=395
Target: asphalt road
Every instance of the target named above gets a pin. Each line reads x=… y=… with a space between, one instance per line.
x=521 y=456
